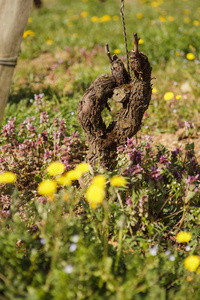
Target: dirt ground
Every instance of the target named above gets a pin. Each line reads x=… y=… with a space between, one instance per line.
x=170 y=141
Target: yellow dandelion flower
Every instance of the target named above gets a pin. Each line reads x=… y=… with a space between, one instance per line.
x=63 y=180
x=74 y=174
x=75 y=35
x=28 y=33
x=99 y=180
x=190 y=56
x=168 y=96
x=187 y=20
x=196 y=23
x=154 y=90
x=56 y=168
x=155 y=4
x=115 y=18
x=30 y=20
x=47 y=187
x=187 y=11
x=178 y=97
x=95 y=195
x=8 y=177
x=117 y=51
x=183 y=237
x=118 y=181
x=105 y=18
x=162 y=19
x=192 y=262
x=83 y=167
x=141 y=41
x=95 y=19
x=84 y=14
x=49 y=42
x=139 y=15
x=171 y=18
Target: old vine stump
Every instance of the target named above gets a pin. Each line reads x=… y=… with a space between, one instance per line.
x=132 y=90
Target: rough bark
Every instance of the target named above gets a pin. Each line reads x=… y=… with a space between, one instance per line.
x=132 y=91
x=13 y=20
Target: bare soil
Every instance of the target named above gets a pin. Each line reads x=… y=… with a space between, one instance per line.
x=170 y=141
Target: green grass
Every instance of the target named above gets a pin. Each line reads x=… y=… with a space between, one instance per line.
x=169 y=31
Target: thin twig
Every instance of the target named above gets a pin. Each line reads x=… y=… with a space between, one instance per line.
x=181 y=223
x=124 y=31
x=135 y=40
x=108 y=53
x=164 y=204
x=176 y=213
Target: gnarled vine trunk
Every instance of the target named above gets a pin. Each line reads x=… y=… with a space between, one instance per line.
x=133 y=91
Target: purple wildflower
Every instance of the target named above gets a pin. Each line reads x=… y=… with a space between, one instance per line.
x=146 y=138
x=188 y=125
x=191 y=187
x=44 y=118
x=135 y=156
x=29 y=120
x=47 y=154
x=38 y=101
x=176 y=152
x=31 y=128
x=155 y=173
x=66 y=163
x=192 y=179
x=39 y=141
x=56 y=137
x=44 y=136
x=9 y=128
x=129 y=202
x=133 y=170
x=62 y=127
x=177 y=174
x=120 y=149
x=137 y=169
x=164 y=160
x=193 y=162
x=130 y=142
x=143 y=205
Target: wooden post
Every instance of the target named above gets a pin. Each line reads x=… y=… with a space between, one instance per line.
x=13 y=19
